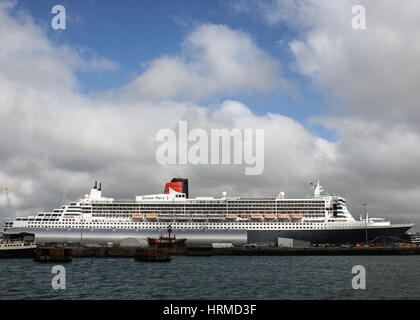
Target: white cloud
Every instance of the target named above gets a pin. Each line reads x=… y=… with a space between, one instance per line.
x=90 y=63
x=29 y=59
x=215 y=60
x=370 y=72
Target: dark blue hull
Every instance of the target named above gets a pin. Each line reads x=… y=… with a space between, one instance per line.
x=341 y=236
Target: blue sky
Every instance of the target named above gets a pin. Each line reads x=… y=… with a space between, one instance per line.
x=132 y=33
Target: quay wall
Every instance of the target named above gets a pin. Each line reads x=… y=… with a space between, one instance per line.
x=128 y=252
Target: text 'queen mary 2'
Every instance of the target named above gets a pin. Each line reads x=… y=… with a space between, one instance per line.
x=320 y=218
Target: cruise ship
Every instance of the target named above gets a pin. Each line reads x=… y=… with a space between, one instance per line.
x=319 y=218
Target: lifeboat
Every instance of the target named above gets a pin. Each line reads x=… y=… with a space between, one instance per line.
x=215 y=217
x=182 y=216
x=283 y=216
x=256 y=216
x=151 y=216
x=296 y=216
x=270 y=216
x=199 y=216
x=230 y=216
x=138 y=216
x=165 y=216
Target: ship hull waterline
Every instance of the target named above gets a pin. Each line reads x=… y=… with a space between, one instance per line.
x=337 y=236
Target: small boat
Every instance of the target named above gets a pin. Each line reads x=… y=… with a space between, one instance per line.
x=166 y=242
x=215 y=217
x=296 y=216
x=199 y=217
x=270 y=216
x=165 y=216
x=21 y=248
x=182 y=216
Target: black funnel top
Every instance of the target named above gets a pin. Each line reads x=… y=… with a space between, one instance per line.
x=184 y=185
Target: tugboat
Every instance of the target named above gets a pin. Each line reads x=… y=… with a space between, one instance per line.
x=19 y=248
x=158 y=250
x=167 y=242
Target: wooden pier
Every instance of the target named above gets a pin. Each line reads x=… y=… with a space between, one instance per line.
x=152 y=255
x=53 y=254
x=203 y=251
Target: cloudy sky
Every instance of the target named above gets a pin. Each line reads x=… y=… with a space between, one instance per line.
x=336 y=104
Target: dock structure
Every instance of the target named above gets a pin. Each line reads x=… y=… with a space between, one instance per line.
x=203 y=251
x=130 y=252
x=152 y=255
x=53 y=254
x=65 y=254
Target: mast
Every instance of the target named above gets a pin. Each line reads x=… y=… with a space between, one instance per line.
x=366 y=220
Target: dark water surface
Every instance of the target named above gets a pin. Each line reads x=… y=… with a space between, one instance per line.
x=215 y=277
